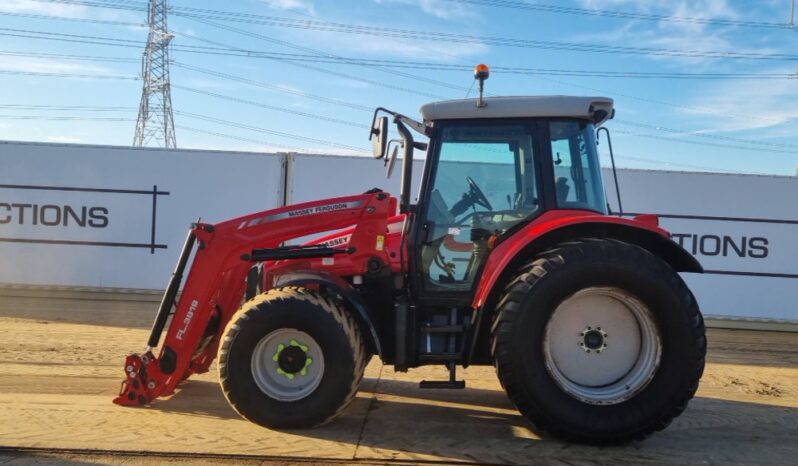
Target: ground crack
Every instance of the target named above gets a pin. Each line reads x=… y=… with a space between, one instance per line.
x=372 y=403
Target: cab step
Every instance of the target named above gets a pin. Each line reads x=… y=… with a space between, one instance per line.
x=439 y=357
x=452 y=383
x=443 y=329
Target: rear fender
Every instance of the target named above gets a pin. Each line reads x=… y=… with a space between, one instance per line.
x=554 y=228
x=557 y=227
x=352 y=298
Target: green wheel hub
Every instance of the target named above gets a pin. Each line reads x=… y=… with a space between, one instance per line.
x=292 y=359
x=287 y=364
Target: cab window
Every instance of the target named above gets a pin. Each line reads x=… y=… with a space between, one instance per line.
x=484 y=184
x=577 y=175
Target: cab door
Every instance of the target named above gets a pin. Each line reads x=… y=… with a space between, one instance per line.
x=481 y=179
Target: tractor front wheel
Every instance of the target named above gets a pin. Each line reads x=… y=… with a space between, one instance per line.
x=598 y=341
x=291 y=358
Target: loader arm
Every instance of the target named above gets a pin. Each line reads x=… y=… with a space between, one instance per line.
x=216 y=282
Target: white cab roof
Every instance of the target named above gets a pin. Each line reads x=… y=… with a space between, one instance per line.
x=519 y=107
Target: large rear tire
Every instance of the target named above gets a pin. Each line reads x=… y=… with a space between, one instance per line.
x=598 y=341
x=291 y=358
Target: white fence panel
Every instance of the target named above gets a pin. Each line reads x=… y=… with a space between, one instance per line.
x=95 y=216
x=323 y=176
x=742 y=228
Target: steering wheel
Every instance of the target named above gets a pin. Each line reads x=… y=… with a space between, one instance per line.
x=477 y=194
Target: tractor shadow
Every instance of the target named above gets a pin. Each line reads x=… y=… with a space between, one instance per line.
x=397 y=420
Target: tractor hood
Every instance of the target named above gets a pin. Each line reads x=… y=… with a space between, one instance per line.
x=597 y=109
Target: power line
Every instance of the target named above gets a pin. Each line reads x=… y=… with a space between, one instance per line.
x=492 y=40
x=318 y=57
x=369 y=109
x=68 y=75
x=64 y=56
x=271 y=107
x=74 y=20
x=719 y=137
x=701 y=143
x=207 y=132
x=275 y=87
x=707 y=136
x=62 y=118
x=389 y=66
x=237 y=138
x=272 y=132
x=624 y=14
x=70 y=108
x=675 y=164
x=63 y=37
x=429 y=66
x=276 y=21
x=702 y=110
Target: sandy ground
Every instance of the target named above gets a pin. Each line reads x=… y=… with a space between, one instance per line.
x=61 y=364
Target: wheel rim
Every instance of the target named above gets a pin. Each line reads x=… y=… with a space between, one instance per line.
x=287 y=364
x=602 y=345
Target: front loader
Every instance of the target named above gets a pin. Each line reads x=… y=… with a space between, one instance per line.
x=509 y=257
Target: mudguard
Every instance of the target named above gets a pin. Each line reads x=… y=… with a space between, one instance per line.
x=556 y=227
x=343 y=289
x=559 y=226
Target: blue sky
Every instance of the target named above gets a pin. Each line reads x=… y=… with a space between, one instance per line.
x=734 y=125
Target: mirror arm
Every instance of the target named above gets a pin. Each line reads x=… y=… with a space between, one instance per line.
x=420 y=128
x=407 y=164
x=416 y=126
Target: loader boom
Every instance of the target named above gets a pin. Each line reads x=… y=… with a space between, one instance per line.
x=215 y=286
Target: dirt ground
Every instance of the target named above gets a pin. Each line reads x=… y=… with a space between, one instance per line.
x=61 y=364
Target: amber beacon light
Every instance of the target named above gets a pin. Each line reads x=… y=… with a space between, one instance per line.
x=481 y=73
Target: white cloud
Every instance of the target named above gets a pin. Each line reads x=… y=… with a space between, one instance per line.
x=63 y=10
x=305 y=6
x=50 y=9
x=444 y=9
x=740 y=105
x=43 y=65
x=674 y=35
x=64 y=139
x=390 y=47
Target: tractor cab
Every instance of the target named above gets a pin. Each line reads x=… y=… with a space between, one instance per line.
x=493 y=165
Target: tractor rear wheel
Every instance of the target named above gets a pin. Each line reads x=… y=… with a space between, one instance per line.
x=598 y=341
x=291 y=358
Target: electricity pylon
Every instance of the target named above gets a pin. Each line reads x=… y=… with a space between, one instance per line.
x=155 y=122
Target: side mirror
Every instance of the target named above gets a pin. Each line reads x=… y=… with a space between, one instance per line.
x=378 y=140
x=391 y=161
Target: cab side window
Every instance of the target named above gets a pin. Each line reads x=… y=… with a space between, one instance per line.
x=577 y=176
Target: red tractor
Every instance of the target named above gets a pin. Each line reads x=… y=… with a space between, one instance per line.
x=509 y=257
